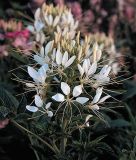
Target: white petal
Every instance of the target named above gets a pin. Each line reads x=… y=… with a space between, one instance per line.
x=42 y=73
x=50 y=20
x=38 y=25
x=108 y=71
x=85 y=66
x=56 y=79
x=95 y=48
x=92 y=69
x=42 y=52
x=70 y=61
x=37 y=37
x=104 y=69
x=104 y=99
x=98 y=54
x=48 y=47
x=48 y=105
x=38 y=101
x=58 y=57
x=56 y=20
x=50 y=113
x=42 y=70
x=32 y=72
x=65 y=31
x=42 y=38
x=58 y=97
x=46 y=19
x=95 y=107
x=37 y=14
x=87 y=119
x=65 y=88
x=39 y=60
x=82 y=100
x=31 y=85
x=98 y=95
x=81 y=70
x=77 y=91
x=31 y=108
x=65 y=58
x=58 y=29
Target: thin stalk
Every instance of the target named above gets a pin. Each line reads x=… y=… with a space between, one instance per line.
x=35 y=152
x=33 y=134
x=64 y=139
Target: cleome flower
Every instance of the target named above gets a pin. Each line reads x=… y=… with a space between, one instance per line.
x=94 y=105
x=43 y=57
x=50 y=20
x=66 y=94
x=103 y=76
x=39 y=104
x=87 y=69
x=40 y=75
x=63 y=60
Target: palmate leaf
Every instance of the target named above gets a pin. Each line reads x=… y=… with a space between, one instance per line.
x=130 y=86
x=119 y=123
x=8 y=100
x=3 y=112
x=22 y=105
x=96 y=141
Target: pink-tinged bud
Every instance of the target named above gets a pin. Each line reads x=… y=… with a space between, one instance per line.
x=37 y=3
x=95 y=2
x=4 y=123
x=129 y=13
x=89 y=16
x=3 y=50
x=59 y=2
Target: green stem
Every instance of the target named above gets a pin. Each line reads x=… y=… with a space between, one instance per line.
x=33 y=134
x=64 y=138
x=36 y=154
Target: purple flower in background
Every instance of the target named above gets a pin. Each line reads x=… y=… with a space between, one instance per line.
x=59 y=2
x=75 y=9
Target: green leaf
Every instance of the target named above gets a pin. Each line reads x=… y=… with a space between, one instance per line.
x=22 y=117
x=3 y=112
x=8 y=100
x=19 y=57
x=119 y=123
x=130 y=86
x=96 y=141
x=22 y=104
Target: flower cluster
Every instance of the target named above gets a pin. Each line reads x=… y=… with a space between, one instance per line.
x=50 y=20
x=13 y=34
x=67 y=73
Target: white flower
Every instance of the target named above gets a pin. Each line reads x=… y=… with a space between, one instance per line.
x=63 y=59
x=96 y=100
x=102 y=77
x=66 y=90
x=40 y=75
x=39 y=104
x=50 y=113
x=87 y=68
x=42 y=57
x=38 y=24
x=87 y=119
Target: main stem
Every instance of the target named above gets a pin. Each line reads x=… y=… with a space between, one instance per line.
x=64 y=139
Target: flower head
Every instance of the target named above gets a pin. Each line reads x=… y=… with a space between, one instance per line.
x=39 y=104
